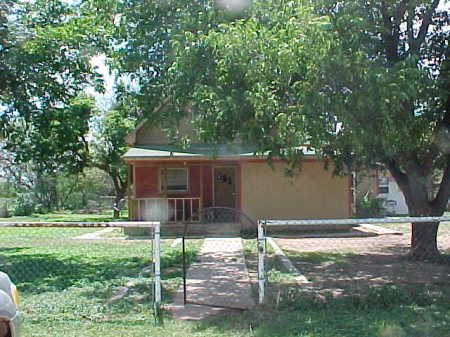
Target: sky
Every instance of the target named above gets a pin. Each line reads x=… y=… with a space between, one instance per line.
x=104 y=100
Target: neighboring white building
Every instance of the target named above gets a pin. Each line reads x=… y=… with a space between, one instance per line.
x=389 y=191
x=380 y=184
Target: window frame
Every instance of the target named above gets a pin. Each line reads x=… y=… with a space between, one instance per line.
x=162 y=180
x=383 y=185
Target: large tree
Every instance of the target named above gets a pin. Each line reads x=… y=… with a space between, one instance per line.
x=108 y=145
x=45 y=51
x=362 y=82
x=392 y=96
x=143 y=45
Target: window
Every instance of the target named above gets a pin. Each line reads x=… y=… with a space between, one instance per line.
x=383 y=185
x=174 y=180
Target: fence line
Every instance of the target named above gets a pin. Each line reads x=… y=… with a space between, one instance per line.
x=156 y=254
x=406 y=219
x=118 y=224
x=264 y=224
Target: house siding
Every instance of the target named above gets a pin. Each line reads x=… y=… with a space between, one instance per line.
x=146 y=179
x=151 y=134
x=314 y=193
x=148 y=182
x=207 y=186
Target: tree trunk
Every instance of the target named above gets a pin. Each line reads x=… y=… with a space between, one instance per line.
x=116 y=206
x=416 y=192
x=423 y=234
x=424 y=241
x=120 y=187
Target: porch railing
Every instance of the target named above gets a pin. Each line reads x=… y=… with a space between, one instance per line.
x=170 y=210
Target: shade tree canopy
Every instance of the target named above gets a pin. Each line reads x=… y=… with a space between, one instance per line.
x=45 y=49
x=362 y=82
x=107 y=146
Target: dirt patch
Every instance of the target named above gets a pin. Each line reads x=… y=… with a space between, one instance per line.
x=356 y=264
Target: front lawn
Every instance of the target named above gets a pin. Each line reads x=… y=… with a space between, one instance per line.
x=99 y=288
x=364 y=287
x=66 y=216
x=73 y=287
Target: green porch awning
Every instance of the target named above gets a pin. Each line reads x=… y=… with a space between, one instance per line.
x=195 y=151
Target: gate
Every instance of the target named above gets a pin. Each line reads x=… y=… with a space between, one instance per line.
x=219 y=222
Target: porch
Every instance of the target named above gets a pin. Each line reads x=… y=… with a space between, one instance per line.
x=166 y=210
x=177 y=192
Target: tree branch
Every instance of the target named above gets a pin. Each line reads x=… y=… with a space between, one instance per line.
x=428 y=160
x=400 y=177
x=410 y=27
x=400 y=11
x=441 y=200
x=389 y=39
x=399 y=15
x=426 y=21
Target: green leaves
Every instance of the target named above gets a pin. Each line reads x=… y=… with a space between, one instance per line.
x=247 y=77
x=361 y=82
x=45 y=66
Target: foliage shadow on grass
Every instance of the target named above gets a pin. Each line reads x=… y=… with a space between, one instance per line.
x=36 y=273
x=388 y=311
x=358 y=272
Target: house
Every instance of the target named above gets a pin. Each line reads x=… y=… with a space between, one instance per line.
x=381 y=184
x=173 y=184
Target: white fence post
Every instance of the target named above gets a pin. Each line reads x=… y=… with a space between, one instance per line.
x=261 y=252
x=157 y=264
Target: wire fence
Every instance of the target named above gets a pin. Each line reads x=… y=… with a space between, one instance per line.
x=79 y=275
x=72 y=275
x=370 y=260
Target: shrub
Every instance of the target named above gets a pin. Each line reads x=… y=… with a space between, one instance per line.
x=369 y=206
x=24 y=205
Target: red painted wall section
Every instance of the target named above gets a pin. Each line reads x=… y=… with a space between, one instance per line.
x=194 y=181
x=207 y=186
x=146 y=180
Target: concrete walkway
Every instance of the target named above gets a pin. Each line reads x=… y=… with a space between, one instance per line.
x=218 y=283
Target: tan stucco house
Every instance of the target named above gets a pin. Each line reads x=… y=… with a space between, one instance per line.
x=172 y=184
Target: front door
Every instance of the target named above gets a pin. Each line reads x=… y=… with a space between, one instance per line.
x=225 y=186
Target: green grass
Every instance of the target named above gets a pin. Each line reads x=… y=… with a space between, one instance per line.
x=276 y=272
x=319 y=257
x=66 y=216
x=66 y=285
x=388 y=311
x=444 y=227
